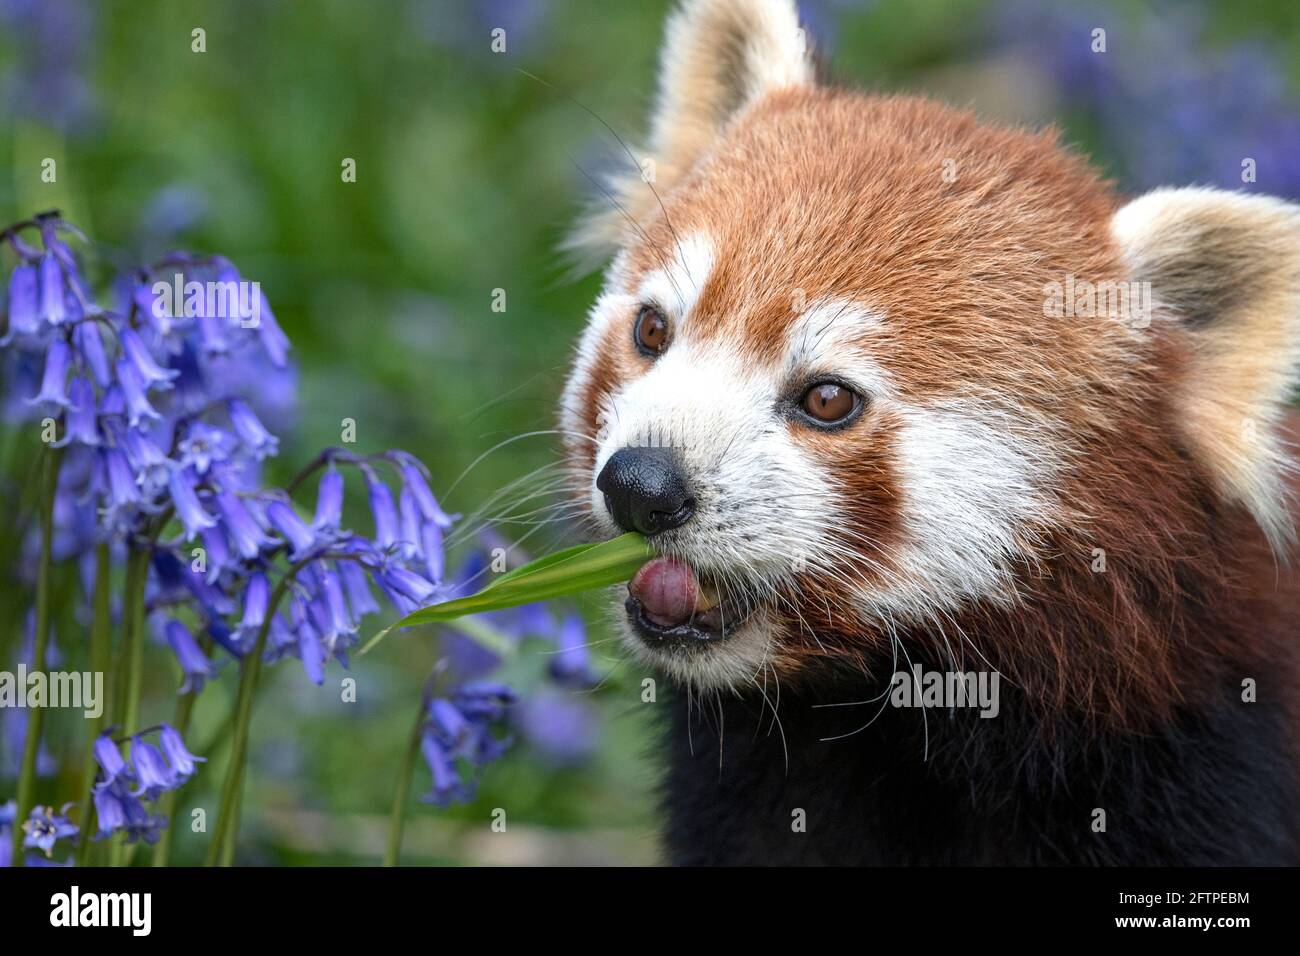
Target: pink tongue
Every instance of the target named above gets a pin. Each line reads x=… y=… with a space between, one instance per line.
x=667 y=590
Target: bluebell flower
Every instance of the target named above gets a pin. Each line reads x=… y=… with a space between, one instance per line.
x=54 y=382
x=221 y=633
x=412 y=537
x=112 y=404
x=485 y=699
x=81 y=419
x=138 y=406
x=310 y=650
x=280 y=640
x=327 y=633
x=448 y=787
x=450 y=724
x=153 y=468
x=142 y=450
x=193 y=389
x=329 y=501
x=459 y=728
x=286 y=521
x=186 y=501
x=257 y=597
x=113 y=769
x=406 y=589
x=357 y=588
x=251 y=431
x=109 y=811
x=118 y=482
x=149 y=372
x=151 y=769
x=330 y=587
x=52 y=310
x=194 y=663
x=118 y=811
x=243 y=531
x=134 y=455
x=89 y=343
x=176 y=579
x=488 y=748
x=178 y=755
x=205 y=445
x=50 y=237
x=414 y=480
x=45 y=827
x=217 y=554
x=24 y=318
x=212 y=599
x=381 y=506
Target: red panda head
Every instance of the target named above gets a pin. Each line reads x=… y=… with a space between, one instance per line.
x=863 y=367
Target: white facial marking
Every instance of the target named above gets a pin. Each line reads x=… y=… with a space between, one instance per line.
x=676 y=285
x=974 y=491
x=833 y=336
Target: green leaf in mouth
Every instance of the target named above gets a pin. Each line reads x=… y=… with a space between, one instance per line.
x=571 y=571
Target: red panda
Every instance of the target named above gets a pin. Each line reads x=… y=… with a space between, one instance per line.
x=893 y=392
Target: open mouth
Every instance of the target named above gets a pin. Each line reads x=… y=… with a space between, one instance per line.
x=669 y=605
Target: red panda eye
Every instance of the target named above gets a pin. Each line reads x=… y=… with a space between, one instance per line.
x=651 y=331
x=830 y=404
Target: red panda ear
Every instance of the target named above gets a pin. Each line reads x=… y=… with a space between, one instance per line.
x=718 y=57
x=1227 y=265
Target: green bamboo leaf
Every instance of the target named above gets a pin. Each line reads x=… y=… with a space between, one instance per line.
x=550 y=560
x=571 y=571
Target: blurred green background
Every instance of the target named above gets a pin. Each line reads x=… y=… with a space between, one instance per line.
x=468 y=171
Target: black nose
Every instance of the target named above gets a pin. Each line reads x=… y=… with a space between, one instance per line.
x=645 y=490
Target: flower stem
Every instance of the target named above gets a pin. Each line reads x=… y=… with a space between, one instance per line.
x=36 y=716
x=228 y=845
x=132 y=656
x=100 y=649
x=249 y=671
x=397 y=819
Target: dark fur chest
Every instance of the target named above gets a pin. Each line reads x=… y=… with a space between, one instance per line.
x=947 y=787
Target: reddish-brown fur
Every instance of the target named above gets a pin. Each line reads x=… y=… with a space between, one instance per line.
x=841 y=195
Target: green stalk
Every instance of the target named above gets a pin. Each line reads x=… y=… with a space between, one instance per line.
x=397 y=819
x=100 y=651
x=135 y=641
x=132 y=657
x=249 y=671
x=228 y=844
x=36 y=716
